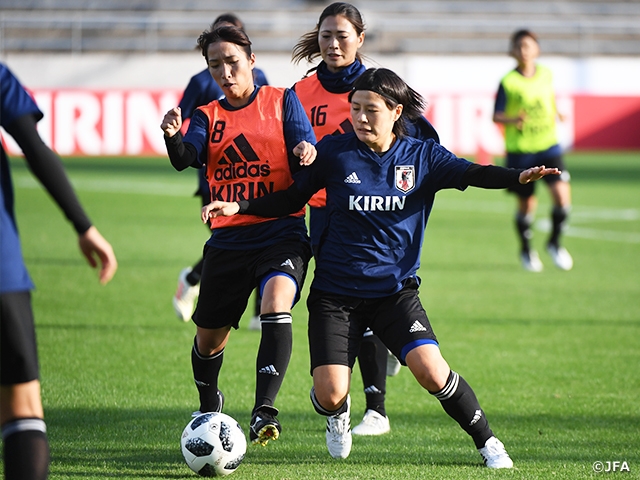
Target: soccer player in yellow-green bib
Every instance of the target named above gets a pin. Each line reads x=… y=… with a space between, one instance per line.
x=525 y=105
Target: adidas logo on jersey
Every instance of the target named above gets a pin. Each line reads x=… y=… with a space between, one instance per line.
x=288 y=263
x=417 y=327
x=269 y=370
x=353 y=178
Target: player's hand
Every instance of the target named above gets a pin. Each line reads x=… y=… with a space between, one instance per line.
x=219 y=209
x=306 y=152
x=536 y=173
x=96 y=249
x=172 y=122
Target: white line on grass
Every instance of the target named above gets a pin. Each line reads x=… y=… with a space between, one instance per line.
x=177 y=189
x=544 y=225
x=579 y=215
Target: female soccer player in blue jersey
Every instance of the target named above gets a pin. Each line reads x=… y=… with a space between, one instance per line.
x=324 y=94
x=249 y=142
x=525 y=105
x=202 y=89
x=26 y=448
x=380 y=186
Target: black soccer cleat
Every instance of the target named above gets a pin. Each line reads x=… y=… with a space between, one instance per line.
x=264 y=425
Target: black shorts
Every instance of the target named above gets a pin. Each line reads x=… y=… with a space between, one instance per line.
x=19 y=354
x=337 y=323
x=229 y=277
x=551 y=158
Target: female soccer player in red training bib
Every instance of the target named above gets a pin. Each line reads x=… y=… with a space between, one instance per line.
x=250 y=142
x=381 y=185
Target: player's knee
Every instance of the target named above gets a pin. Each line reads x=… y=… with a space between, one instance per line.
x=210 y=341
x=327 y=401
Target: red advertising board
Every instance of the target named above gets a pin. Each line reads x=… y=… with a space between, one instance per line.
x=127 y=122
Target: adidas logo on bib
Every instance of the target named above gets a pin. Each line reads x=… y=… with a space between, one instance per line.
x=417 y=327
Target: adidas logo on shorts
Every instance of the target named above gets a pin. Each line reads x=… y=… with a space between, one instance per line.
x=288 y=263
x=417 y=327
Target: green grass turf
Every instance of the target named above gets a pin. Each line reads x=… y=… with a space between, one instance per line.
x=553 y=357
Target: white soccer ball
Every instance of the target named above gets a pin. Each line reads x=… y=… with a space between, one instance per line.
x=213 y=444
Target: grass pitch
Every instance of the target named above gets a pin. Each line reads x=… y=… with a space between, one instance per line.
x=553 y=357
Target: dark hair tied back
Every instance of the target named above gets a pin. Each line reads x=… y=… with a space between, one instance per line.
x=308 y=48
x=394 y=91
x=224 y=33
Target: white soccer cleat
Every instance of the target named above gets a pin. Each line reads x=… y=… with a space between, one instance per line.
x=255 y=323
x=393 y=364
x=185 y=296
x=495 y=455
x=531 y=261
x=339 y=433
x=560 y=257
x=372 y=424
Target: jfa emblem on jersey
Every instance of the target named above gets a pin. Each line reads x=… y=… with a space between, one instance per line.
x=405 y=178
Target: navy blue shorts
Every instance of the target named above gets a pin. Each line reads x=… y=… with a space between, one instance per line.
x=550 y=158
x=338 y=322
x=18 y=351
x=229 y=277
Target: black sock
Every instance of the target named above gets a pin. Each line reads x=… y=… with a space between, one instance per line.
x=373 y=367
x=559 y=217
x=459 y=401
x=273 y=356
x=26 y=449
x=323 y=411
x=205 y=374
x=193 y=277
x=523 y=226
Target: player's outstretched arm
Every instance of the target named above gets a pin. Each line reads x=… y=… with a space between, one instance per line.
x=97 y=250
x=48 y=169
x=536 y=173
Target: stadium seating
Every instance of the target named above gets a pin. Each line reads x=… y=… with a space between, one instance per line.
x=569 y=27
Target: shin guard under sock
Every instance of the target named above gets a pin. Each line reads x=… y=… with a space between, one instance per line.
x=26 y=449
x=523 y=227
x=459 y=401
x=372 y=359
x=273 y=358
x=193 y=277
x=559 y=217
x=205 y=374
